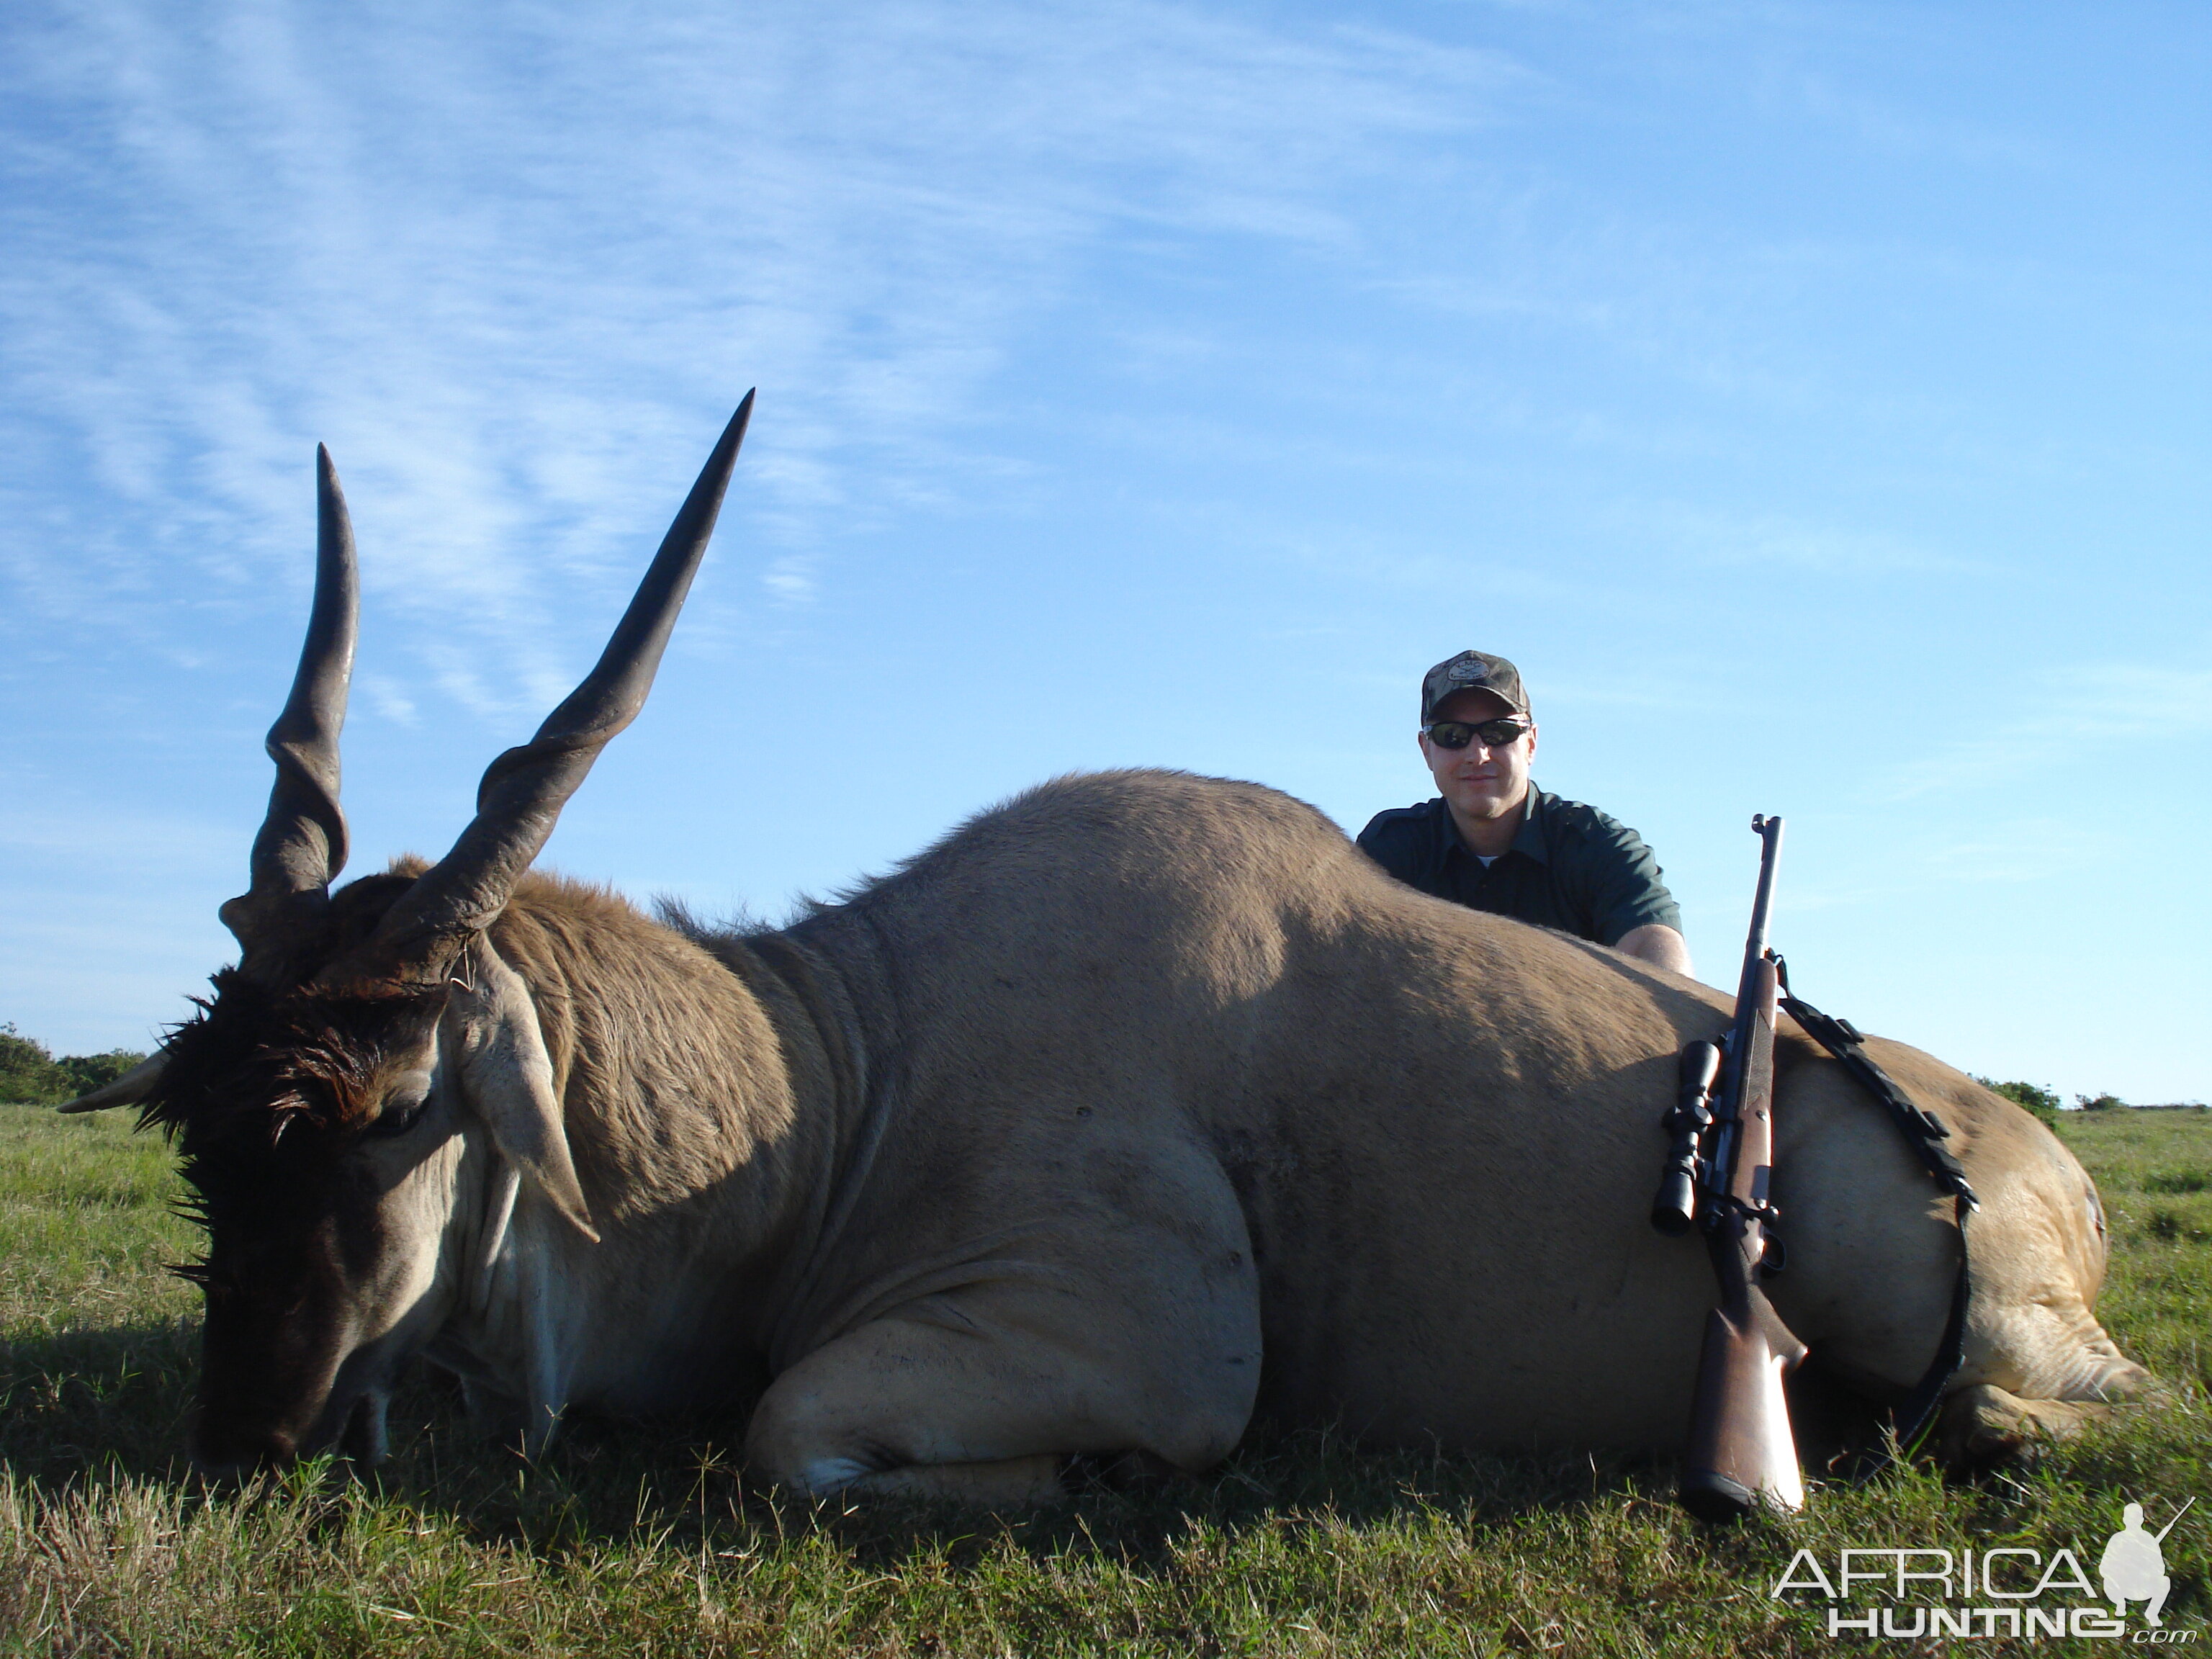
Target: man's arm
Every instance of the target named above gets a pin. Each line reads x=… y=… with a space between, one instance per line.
x=1633 y=911
x=1658 y=945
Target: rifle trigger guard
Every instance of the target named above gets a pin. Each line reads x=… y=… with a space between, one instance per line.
x=1751 y=1210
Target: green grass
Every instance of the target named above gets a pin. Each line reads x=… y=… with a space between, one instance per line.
x=643 y=1539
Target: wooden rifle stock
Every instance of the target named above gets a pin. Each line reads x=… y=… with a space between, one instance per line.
x=1741 y=1452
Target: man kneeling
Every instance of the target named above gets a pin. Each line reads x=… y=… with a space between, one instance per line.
x=1492 y=841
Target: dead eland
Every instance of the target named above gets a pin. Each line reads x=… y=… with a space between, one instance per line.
x=1136 y=1107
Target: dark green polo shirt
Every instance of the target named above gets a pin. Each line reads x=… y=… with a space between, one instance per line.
x=1571 y=867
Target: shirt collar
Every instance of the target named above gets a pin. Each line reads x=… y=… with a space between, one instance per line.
x=1527 y=840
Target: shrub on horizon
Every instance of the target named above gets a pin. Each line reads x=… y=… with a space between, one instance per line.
x=86 y=1072
x=31 y=1076
x=27 y=1072
x=2040 y=1100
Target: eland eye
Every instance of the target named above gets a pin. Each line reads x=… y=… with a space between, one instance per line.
x=403 y=1108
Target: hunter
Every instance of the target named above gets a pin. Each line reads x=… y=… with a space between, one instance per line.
x=1492 y=841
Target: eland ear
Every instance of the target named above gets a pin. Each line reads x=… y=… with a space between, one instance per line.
x=126 y=1090
x=506 y=1078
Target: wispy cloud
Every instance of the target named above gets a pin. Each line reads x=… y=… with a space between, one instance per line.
x=1885 y=127
x=1704 y=536
x=2111 y=702
x=158 y=845
x=790 y=580
x=515 y=266
x=1898 y=863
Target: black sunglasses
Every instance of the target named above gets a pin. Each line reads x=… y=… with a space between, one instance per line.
x=1495 y=734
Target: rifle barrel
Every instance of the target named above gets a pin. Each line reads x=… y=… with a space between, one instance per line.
x=1769 y=830
x=2160 y=1537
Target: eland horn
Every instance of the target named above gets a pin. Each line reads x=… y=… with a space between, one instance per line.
x=126 y=1090
x=524 y=790
x=301 y=845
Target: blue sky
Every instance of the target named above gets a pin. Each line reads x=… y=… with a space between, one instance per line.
x=1813 y=399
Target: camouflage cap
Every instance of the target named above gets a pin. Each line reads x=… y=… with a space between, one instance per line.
x=1472 y=671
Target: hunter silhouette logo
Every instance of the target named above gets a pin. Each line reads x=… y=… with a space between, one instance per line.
x=2134 y=1568
x=2012 y=1591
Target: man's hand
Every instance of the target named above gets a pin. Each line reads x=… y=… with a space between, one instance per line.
x=1658 y=945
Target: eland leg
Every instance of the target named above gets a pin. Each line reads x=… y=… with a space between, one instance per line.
x=979 y=1392
x=1982 y=1424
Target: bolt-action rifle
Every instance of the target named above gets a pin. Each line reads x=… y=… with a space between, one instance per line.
x=1720 y=1167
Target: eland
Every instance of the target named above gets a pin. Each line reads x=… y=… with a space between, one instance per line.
x=1136 y=1110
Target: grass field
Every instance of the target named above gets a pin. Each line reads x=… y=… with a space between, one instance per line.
x=632 y=1539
